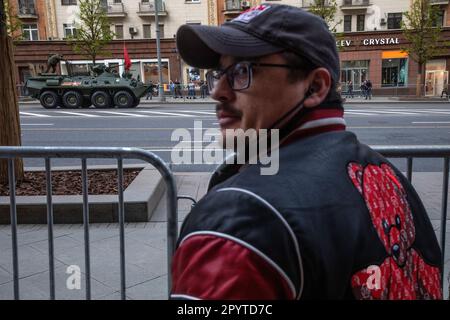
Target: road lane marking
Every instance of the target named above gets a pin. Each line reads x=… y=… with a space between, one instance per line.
x=168 y=113
x=200 y=112
x=37 y=124
x=430 y=122
x=34 y=114
x=395 y=112
x=439 y=112
x=359 y=113
x=124 y=114
x=79 y=114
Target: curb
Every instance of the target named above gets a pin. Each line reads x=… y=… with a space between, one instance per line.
x=140 y=200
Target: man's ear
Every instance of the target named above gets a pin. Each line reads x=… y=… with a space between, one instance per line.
x=320 y=84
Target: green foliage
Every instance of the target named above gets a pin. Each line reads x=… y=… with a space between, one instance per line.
x=93 y=30
x=420 y=29
x=326 y=9
x=13 y=23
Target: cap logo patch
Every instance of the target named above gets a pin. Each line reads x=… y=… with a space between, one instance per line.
x=251 y=13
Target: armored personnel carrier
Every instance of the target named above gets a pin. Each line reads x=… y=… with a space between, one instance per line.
x=105 y=89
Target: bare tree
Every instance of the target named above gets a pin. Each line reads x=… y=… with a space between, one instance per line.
x=9 y=106
x=421 y=28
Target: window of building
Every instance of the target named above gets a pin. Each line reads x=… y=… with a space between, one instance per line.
x=192 y=1
x=347 y=23
x=119 y=31
x=394 y=20
x=27 y=7
x=69 y=30
x=360 y=18
x=30 y=32
x=147 y=31
x=161 y=31
x=439 y=21
x=394 y=72
x=68 y=2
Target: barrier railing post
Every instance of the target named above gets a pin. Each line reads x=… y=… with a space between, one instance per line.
x=409 y=169
x=444 y=214
x=13 y=212
x=51 y=259
x=122 y=228
x=87 y=255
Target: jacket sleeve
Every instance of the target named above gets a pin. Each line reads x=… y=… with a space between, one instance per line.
x=233 y=245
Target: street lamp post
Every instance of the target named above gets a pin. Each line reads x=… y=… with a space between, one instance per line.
x=158 y=52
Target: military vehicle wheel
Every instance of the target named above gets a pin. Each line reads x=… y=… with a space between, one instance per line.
x=100 y=99
x=72 y=99
x=49 y=100
x=123 y=99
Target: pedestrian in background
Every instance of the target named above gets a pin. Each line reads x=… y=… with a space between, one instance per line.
x=363 y=88
x=350 y=89
x=369 y=89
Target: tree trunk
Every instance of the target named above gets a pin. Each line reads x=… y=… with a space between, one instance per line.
x=9 y=107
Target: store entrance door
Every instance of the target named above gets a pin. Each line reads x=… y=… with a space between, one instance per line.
x=435 y=82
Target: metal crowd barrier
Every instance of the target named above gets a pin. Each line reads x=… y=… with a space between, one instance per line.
x=47 y=153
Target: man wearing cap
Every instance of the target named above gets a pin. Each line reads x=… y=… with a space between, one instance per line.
x=337 y=221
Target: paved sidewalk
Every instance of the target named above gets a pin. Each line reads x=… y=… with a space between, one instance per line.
x=145 y=249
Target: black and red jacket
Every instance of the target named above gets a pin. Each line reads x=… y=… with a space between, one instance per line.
x=338 y=221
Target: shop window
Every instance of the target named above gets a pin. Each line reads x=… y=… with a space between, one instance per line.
x=151 y=72
x=394 y=20
x=114 y=67
x=193 y=74
x=81 y=69
x=355 y=71
x=347 y=23
x=394 y=72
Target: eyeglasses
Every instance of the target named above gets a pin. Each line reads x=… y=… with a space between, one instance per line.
x=239 y=75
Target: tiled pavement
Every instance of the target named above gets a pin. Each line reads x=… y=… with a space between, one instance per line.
x=146 y=258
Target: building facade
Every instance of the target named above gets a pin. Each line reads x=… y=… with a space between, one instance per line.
x=369 y=38
x=370 y=43
x=47 y=23
x=33 y=55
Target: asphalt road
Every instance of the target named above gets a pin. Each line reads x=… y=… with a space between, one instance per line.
x=151 y=126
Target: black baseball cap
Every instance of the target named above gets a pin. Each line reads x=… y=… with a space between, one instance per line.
x=261 y=30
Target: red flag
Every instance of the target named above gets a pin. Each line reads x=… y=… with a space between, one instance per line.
x=127 y=58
